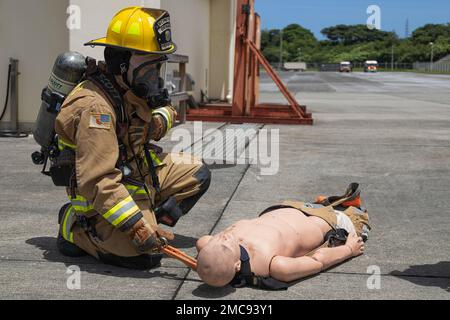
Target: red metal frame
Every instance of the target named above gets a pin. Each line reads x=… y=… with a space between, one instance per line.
x=248 y=58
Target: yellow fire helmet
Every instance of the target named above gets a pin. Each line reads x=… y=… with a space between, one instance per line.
x=143 y=30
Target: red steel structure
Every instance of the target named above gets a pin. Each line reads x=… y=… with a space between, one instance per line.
x=248 y=58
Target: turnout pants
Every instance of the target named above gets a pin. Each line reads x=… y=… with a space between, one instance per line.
x=187 y=181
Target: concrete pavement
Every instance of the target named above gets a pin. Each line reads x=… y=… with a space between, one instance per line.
x=390 y=132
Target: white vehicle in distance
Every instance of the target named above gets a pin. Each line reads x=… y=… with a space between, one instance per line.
x=294 y=66
x=345 y=66
x=371 y=66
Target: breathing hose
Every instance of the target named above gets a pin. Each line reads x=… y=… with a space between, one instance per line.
x=9 y=133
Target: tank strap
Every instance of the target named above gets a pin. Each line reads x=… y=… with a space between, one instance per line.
x=109 y=87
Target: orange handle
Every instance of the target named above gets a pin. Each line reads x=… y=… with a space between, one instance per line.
x=181 y=256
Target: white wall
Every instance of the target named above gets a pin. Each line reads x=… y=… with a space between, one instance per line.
x=191 y=33
x=35 y=35
x=221 y=49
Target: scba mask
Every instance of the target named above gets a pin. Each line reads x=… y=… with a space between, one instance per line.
x=147 y=77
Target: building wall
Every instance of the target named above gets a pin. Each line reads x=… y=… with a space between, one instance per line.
x=35 y=35
x=221 y=41
x=191 y=33
x=233 y=8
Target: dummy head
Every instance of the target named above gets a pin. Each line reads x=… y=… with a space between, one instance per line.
x=218 y=259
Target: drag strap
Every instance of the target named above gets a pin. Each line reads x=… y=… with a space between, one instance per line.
x=181 y=256
x=350 y=198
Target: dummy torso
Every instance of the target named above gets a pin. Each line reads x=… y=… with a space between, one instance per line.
x=284 y=232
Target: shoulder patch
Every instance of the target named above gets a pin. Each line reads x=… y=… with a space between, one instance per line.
x=100 y=121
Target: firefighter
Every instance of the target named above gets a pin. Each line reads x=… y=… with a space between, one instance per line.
x=124 y=186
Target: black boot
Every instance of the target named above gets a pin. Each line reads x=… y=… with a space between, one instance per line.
x=142 y=262
x=65 y=247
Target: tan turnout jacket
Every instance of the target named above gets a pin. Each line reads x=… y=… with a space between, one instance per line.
x=87 y=124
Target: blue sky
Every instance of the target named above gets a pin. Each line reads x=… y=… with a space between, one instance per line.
x=318 y=14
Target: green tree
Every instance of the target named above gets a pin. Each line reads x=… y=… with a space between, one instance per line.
x=297 y=41
x=355 y=43
x=352 y=34
x=430 y=33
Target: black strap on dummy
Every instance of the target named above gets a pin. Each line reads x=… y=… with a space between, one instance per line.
x=246 y=278
x=273 y=208
x=336 y=238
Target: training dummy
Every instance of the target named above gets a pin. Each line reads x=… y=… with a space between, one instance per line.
x=285 y=243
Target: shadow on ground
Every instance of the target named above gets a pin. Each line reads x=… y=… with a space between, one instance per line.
x=91 y=265
x=217 y=166
x=183 y=242
x=428 y=275
x=206 y=291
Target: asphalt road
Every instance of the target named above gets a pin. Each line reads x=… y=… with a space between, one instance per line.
x=390 y=132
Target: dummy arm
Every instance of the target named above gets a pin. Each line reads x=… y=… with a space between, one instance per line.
x=289 y=269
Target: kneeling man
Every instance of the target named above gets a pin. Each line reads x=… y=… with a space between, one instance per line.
x=285 y=243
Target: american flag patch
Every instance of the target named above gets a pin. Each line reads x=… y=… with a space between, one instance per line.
x=101 y=121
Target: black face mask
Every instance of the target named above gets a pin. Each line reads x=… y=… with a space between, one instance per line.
x=149 y=85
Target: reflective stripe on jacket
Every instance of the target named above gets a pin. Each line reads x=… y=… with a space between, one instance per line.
x=87 y=125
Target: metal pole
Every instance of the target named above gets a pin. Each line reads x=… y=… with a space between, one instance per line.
x=432 y=56
x=183 y=104
x=392 y=58
x=281 y=49
x=14 y=95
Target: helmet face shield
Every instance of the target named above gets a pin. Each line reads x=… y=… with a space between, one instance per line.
x=147 y=77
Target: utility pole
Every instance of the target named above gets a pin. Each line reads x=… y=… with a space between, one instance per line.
x=281 y=49
x=432 y=56
x=407 y=28
x=392 y=58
